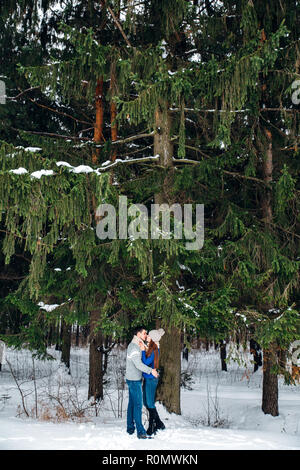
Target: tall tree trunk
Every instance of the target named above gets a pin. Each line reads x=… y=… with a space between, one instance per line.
x=164 y=148
x=295 y=367
x=270 y=357
x=98 y=127
x=170 y=359
x=58 y=336
x=223 y=355
x=270 y=382
x=168 y=391
x=113 y=110
x=185 y=352
x=66 y=344
x=95 y=336
x=95 y=358
x=77 y=335
x=256 y=351
x=51 y=334
x=85 y=334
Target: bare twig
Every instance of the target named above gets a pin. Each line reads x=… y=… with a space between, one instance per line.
x=50 y=134
x=19 y=388
x=117 y=23
x=35 y=389
x=58 y=112
x=22 y=93
x=130 y=139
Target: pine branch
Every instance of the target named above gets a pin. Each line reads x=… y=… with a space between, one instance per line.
x=6 y=277
x=22 y=93
x=51 y=134
x=130 y=139
x=19 y=255
x=117 y=23
x=58 y=112
x=23 y=238
x=198 y=110
x=137 y=151
x=196 y=150
x=231 y=173
x=239 y=175
x=284 y=230
x=129 y=162
x=291 y=110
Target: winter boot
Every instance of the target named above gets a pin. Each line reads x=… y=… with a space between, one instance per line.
x=151 y=429
x=158 y=423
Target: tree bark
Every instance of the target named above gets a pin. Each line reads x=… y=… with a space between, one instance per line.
x=256 y=351
x=168 y=391
x=51 y=335
x=223 y=355
x=58 y=336
x=85 y=334
x=185 y=353
x=95 y=358
x=66 y=344
x=164 y=148
x=98 y=128
x=113 y=110
x=270 y=357
x=77 y=336
x=270 y=381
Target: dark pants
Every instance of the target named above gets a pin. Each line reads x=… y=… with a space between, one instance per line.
x=149 y=390
x=135 y=405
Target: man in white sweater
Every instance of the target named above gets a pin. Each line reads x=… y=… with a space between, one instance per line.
x=134 y=369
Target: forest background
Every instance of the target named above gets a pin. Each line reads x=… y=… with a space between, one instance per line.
x=190 y=102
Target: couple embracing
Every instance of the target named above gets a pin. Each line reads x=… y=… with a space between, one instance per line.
x=142 y=361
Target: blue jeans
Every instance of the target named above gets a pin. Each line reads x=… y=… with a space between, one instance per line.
x=135 y=405
x=149 y=390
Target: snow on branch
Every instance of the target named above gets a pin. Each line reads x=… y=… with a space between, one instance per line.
x=106 y=166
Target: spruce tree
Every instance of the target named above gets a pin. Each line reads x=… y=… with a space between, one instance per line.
x=206 y=97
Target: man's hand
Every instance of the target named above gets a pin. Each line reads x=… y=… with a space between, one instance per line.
x=154 y=373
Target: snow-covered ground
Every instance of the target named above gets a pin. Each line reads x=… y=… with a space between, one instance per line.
x=221 y=411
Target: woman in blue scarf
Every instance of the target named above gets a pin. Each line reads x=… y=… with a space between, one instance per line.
x=150 y=357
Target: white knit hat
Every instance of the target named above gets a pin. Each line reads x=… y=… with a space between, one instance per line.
x=155 y=335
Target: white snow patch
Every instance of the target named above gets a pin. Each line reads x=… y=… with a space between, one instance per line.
x=32 y=149
x=82 y=169
x=64 y=164
x=40 y=173
x=230 y=401
x=47 y=307
x=19 y=171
